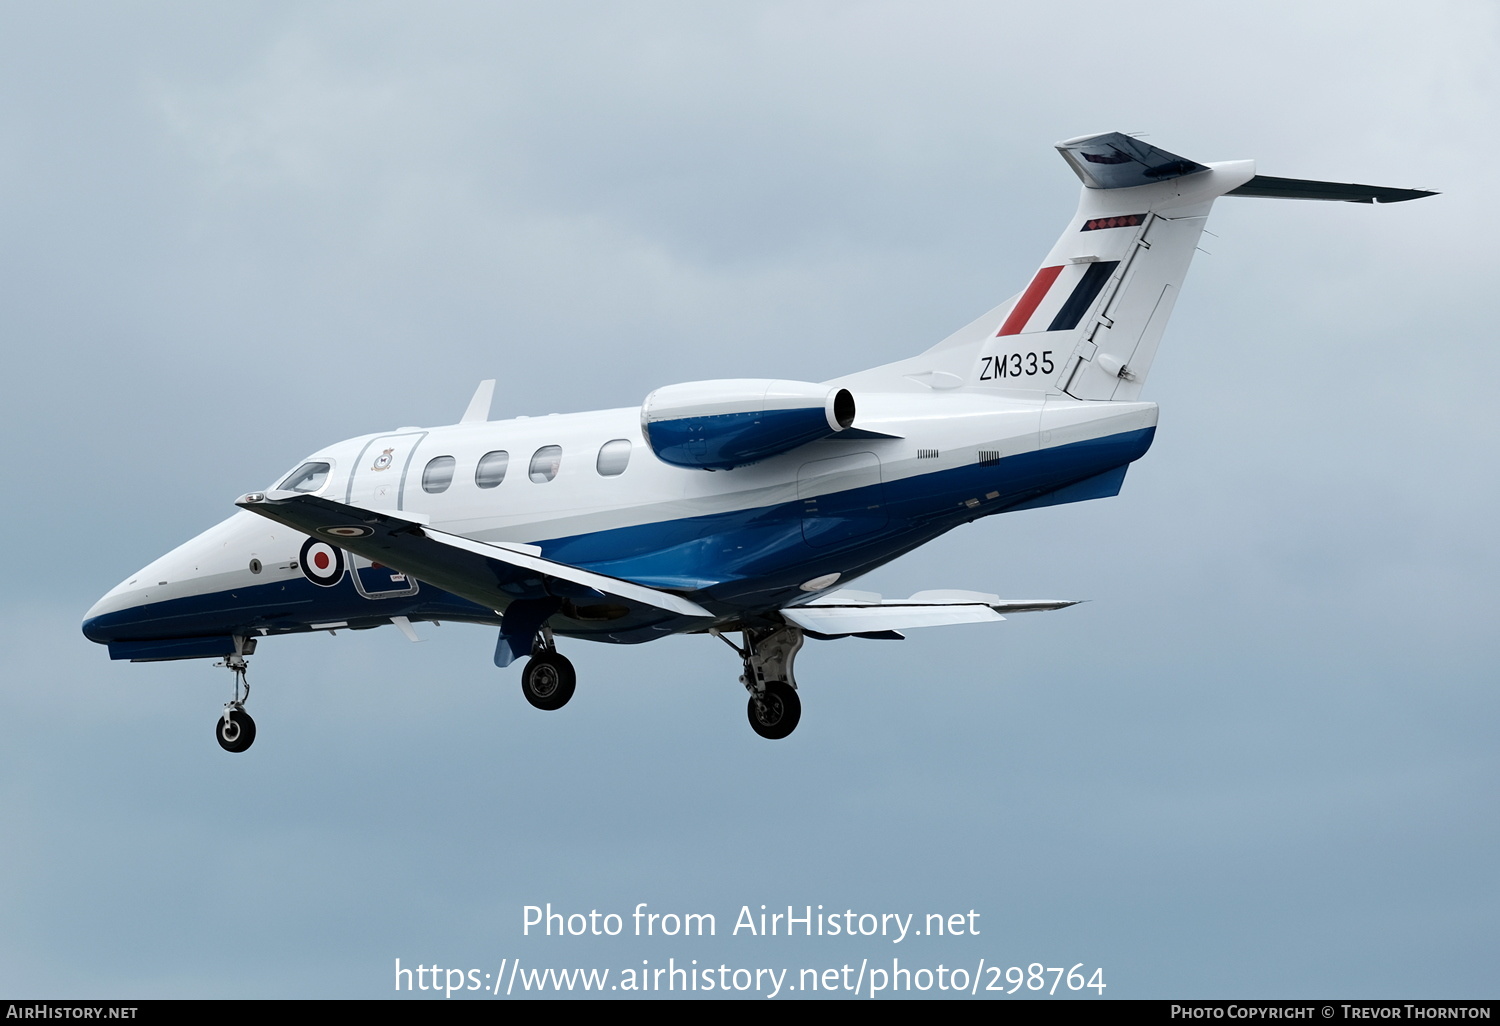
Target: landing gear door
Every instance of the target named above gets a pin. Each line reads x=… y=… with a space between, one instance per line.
x=379 y=477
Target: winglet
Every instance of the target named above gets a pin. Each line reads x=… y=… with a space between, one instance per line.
x=479 y=406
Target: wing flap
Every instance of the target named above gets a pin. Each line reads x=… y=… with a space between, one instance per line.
x=490 y=574
x=840 y=620
x=853 y=612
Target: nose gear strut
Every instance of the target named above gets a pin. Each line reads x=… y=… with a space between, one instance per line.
x=235 y=730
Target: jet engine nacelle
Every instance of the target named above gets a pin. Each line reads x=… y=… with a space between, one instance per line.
x=720 y=425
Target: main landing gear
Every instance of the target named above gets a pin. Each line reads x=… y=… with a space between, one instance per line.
x=548 y=679
x=235 y=730
x=774 y=711
x=773 y=707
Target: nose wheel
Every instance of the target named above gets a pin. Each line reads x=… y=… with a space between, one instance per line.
x=235 y=730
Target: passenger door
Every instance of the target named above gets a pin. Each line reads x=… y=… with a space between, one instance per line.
x=378 y=480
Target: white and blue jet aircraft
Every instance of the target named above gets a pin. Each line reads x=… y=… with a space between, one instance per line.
x=734 y=507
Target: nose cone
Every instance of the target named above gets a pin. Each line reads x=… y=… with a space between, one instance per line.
x=102 y=622
x=184 y=593
x=126 y=610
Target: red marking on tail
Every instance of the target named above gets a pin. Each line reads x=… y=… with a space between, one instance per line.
x=1029 y=301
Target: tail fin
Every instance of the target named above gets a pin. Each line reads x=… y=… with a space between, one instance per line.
x=1094 y=313
x=1103 y=295
x=1089 y=322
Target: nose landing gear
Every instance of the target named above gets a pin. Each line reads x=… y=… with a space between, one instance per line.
x=235 y=730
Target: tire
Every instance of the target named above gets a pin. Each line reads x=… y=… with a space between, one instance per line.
x=777 y=712
x=236 y=735
x=548 y=680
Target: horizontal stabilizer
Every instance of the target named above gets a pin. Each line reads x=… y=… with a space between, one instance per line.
x=475 y=570
x=852 y=612
x=1301 y=188
x=1114 y=160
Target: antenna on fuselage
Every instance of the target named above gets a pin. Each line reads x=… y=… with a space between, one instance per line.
x=479 y=406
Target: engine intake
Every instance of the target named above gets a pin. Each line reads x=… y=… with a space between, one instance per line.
x=720 y=425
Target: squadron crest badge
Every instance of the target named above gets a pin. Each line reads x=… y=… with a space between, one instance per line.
x=383 y=461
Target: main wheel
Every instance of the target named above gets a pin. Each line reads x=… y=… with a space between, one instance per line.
x=774 y=713
x=547 y=682
x=236 y=735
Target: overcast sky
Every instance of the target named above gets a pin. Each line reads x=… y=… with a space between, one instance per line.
x=1261 y=761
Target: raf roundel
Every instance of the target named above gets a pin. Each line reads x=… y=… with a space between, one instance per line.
x=346 y=531
x=321 y=563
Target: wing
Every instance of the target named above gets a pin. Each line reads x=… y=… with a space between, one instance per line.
x=849 y=612
x=491 y=575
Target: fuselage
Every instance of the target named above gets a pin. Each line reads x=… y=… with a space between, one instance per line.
x=588 y=490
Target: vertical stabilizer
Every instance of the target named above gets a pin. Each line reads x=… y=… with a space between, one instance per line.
x=1089 y=321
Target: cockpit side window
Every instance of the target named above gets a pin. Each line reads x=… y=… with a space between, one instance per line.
x=307 y=478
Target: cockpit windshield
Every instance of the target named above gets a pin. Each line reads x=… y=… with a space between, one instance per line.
x=307 y=478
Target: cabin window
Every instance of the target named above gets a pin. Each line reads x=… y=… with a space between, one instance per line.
x=545 y=463
x=614 y=457
x=438 y=474
x=307 y=478
x=491 y=469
